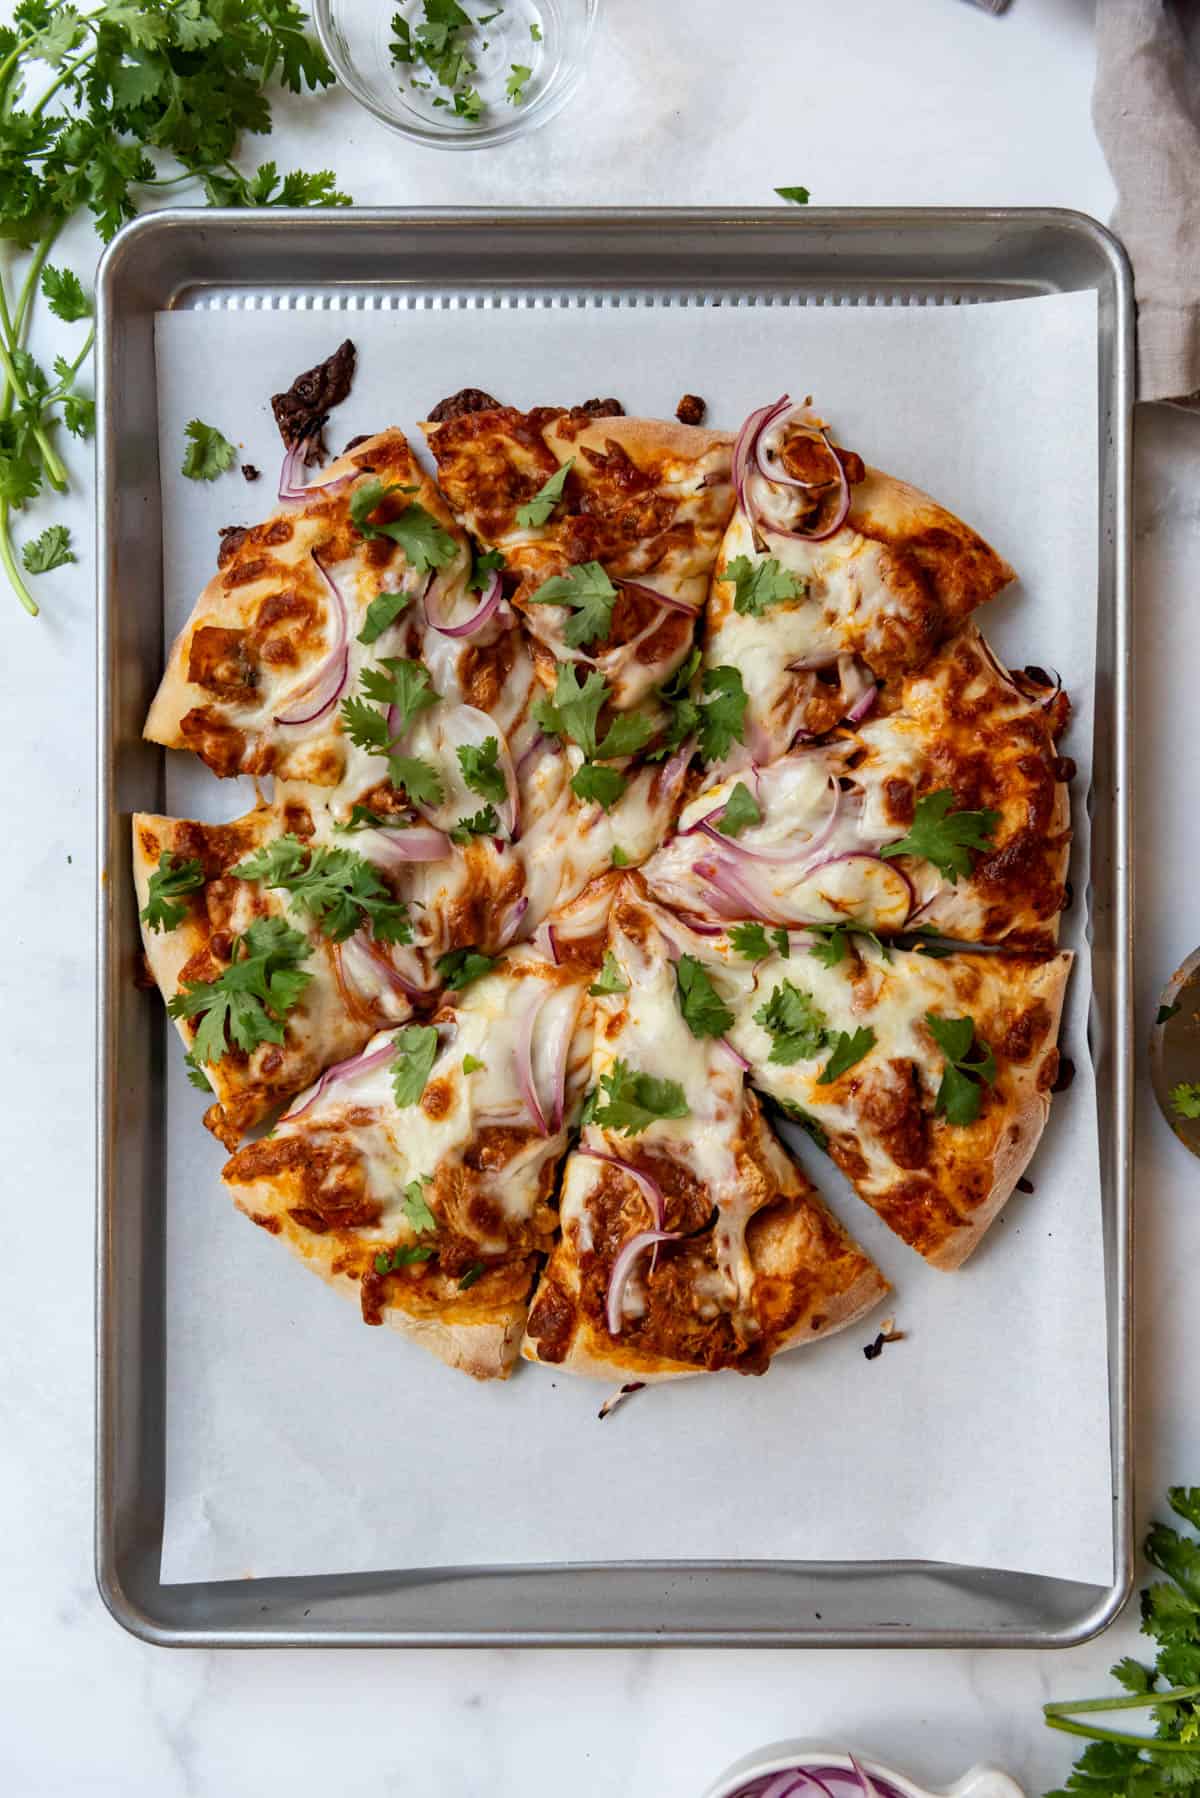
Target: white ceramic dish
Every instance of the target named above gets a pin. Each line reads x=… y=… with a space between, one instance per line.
x=978 y=1782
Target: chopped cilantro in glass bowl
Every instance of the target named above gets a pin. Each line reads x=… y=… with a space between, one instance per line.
x=458 y=74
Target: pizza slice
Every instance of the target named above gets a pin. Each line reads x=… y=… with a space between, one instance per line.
x=927 y=1079
x=275 y=971
x=360 y=568
x=832 y=575
x=608 y=527
x=689 y=1240
x=946 y=811
x=420 y=1176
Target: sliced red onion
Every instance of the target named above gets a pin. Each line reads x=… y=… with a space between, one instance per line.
x=811 y=664
x=727 y=881
x=557 y=1052
x=841 y=510
x=830 y=1782
x=747 y=439
x=292 y=489
x=397 y=848
x=512 y=922
x=482 y=615
x=734 y=1054
x=540 y=744
x=545 y=941
x=611 y=659
x=863 y=705
x=775 y=472
x=375 y=962
x=333 y=1076
x=862 y=855
x=994 y=663
x=650 y=1190
x=623 y=1267
x=524 y=1053
x=674 y=772
x=321 y=693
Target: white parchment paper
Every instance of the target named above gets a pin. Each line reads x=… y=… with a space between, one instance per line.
x=300 y=1442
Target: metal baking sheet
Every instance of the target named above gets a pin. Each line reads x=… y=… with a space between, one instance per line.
x=344 y=262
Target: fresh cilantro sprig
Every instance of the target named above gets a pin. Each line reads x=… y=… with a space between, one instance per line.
x=174 y=876
x=415 y=1209
x=970 y=1065
x=338 y=889
x=717 y=721
x=84 y=95
x=481 y=770
x=208 y=453
x=574 y=712
x=459 y=967
x=536 y=511
x=1120 y=1763
x=634 y=1100
x=51 y=550
x=249 y=1000
x=610 y=978
x=443 y=45
x=483 y=823
x=848 y=1049
x=382 y=613
x=752 y=941
x=704 y=1011
x=757 y=585
x=1185 y=1099
x=945 y=837
x=425 y=543
x=402 y=688
x=740 y=809
x=412 y=1064
x=588 y=595
x=830 y=943
x=797 y=1026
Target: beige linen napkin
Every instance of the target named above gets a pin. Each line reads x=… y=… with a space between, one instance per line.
x=1146 y=108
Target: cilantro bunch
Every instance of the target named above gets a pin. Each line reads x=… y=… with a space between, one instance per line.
x=1120 y=1763
x=101 y=107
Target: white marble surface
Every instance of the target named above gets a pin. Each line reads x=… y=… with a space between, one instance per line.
x=866 y=101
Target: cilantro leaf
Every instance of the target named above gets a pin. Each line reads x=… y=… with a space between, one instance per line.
x=831 y=941
x=722 y=714
x=471 y=1064
x=610 y=978
x=945 y=837
x=208 y=453
x=799 y=196
x=483 y=565
x=248 y=1001
x=589 y=594
x=459 y=967
x=798 y=1027
x=390 y=1261
x=758 y=585
x=196 y=1074
x=365 y=726
x=415 y=1209
x=338 y=889
x=704 y=1011
x=574 y=710
x=470 y=1275
x=412 y=1064
x=596 y=781
x=1185 y=1502
x=741 y=809
x=635 y=1100
x=970 y=1065
x=481 y=770
x=382 y=613
x=514 y=87
x=483 y=823
x=619 y=857
x=847 y=1050
x=750 y=940
x=468 y=103
x=403 y=684
x=419 y=779
x=1185 y=1099
x=537 y=510
x=51 y=550
x=363 y=818
x=426 y=544
x=64 y=294
x=174 y=876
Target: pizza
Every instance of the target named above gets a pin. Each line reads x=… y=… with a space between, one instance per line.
x=928 y=1079
x=832 y=577
x=420 y=1175
x=945 y=811
x=689 y=1240
x=608 y=526
x=634 y=791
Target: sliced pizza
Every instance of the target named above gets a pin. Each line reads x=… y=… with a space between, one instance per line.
x=608 y=527
x=419 y=1177
x=276 y=955
x=689 y=1240
x=360 y=569
x=928 y=1079
x=947 y=812
x=832 y=575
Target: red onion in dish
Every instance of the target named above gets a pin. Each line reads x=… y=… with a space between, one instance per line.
x=333 y=1076
x=368 y=962
x=293 y=490
x=622 y=1268
x=557 y=1041
x=819 y=1781
x=512 y=922
x=545 y=941
x=524 y=1053
x=667 y=601
x=864 y=704
x=650 y=1190
x=908 y=895
x=322 y=691
x=734 y=1055
x=674 y=773
x=727 y=881
x=395 y=849
x=780 y=478
x=540 y=745
x=746 y=442
x=481 y=616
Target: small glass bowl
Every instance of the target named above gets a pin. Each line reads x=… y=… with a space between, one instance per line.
x=356 y=35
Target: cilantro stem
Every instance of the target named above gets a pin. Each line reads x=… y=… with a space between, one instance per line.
x=56 y=473
x=1139 y=1701
x=64 y=75
x=1153 y=1745
x=10 y=564
x=28 y=288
